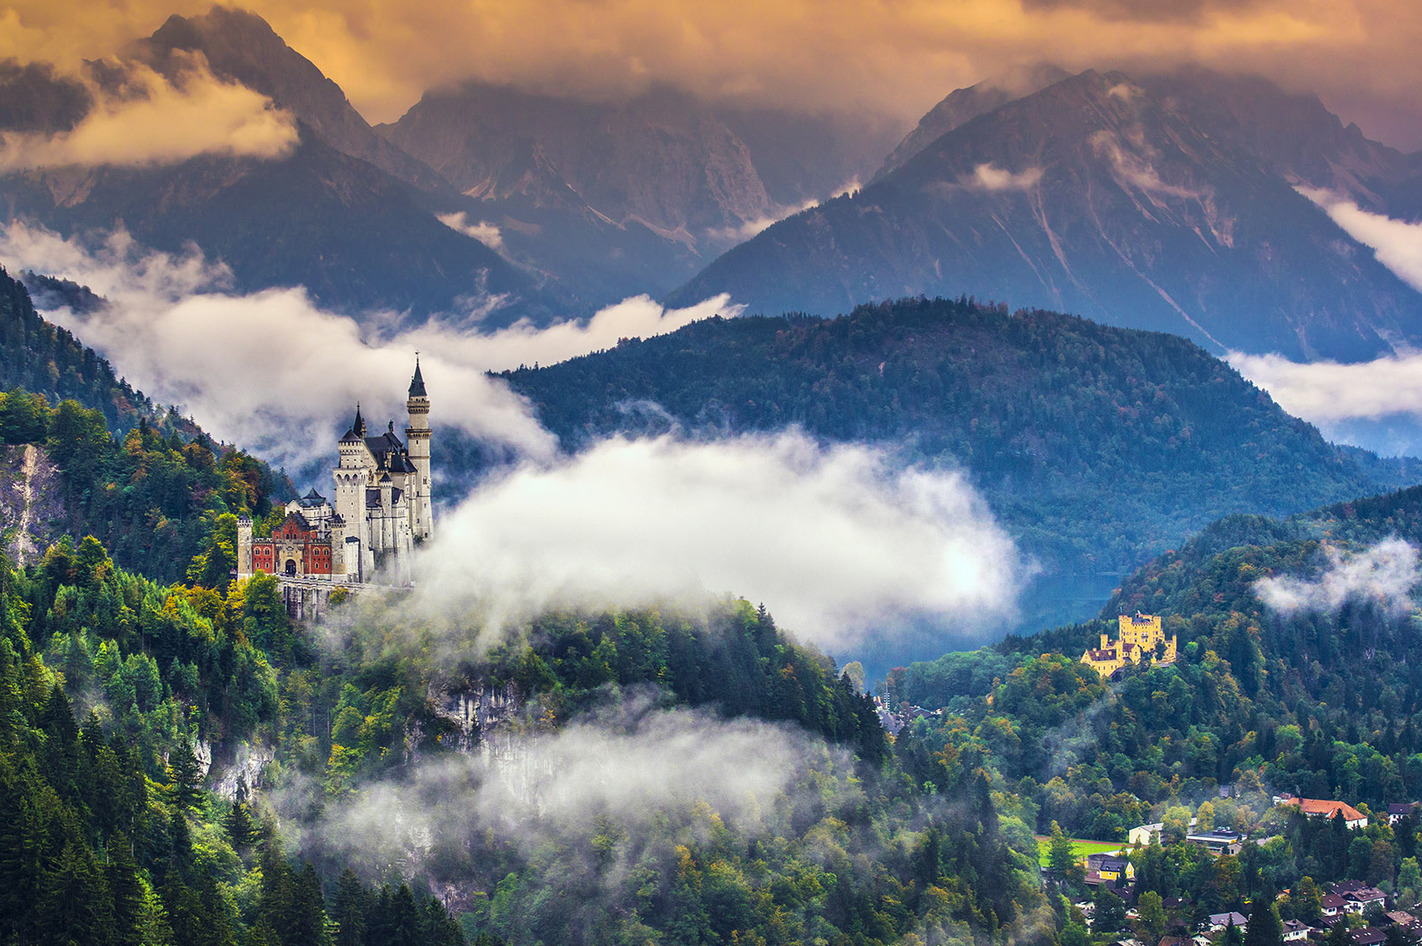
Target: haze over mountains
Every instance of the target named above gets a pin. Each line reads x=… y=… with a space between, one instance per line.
x=1170 y=203
x=1187 y=202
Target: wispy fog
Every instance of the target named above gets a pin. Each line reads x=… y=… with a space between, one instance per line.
x=1383 y=574
x=1374 y=404
x=839 y=542
x=1397 y=243
x=639 y=767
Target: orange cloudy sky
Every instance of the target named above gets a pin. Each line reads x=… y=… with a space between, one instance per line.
x=894 y=56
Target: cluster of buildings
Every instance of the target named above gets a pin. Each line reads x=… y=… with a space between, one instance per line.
x=1140 y=639
x=1343 y=899
x=380 y=510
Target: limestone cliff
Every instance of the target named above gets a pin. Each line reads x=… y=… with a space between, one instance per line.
x=32 y=510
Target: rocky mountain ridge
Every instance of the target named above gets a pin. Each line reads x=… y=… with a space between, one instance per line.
x=1170 y=204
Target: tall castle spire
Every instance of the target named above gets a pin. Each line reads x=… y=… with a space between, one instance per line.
x=417 y=443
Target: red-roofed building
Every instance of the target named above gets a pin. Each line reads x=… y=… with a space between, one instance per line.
x=1324 y=808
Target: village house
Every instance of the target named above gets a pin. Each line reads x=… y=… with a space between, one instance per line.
x=1324 y=808
x=1295 y=931
x=1220 y=921
x=1358 y=901
x=1399 y=810
x=1109 y=868
x=1218 y=842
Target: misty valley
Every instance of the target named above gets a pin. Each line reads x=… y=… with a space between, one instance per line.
x=665 y=484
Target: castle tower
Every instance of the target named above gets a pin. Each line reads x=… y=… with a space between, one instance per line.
x=244 y=548
x=417 y=439
x=351 y=475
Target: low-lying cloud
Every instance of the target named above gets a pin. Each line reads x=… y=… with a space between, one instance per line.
x=838 y=542
x=1326 y=392
x=1396 y=243
x=1383 y=574
x=486 y=233
x=154 y=121
x=1134 y=166
x=637 y=767
x=270 y=371
x=989 y=177
x=755 y=226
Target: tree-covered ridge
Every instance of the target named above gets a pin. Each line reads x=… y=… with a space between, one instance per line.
x=108 y=682
x=45 y=359
x=1097 y=446
x=1322 y=701
x=116 y=691
x=150 y=484
x=852 y=850
x=154 y=497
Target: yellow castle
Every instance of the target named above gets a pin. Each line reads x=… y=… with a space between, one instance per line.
x=1137 y=641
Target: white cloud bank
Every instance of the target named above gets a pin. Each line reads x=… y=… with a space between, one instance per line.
x=989 y=177
x=1326 y=391
x=1396 y=243
x=838 y=543
x=154 y=121
x=1383 y=574
x=269 y=370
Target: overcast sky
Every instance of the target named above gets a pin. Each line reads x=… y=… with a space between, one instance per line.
x=896 y=56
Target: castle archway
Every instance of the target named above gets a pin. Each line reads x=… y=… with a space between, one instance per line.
x=291 y=568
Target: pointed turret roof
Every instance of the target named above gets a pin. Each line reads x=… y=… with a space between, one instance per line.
x=357 y=431
x=417 y=383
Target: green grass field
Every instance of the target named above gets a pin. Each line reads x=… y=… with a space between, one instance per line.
x=1079 y=846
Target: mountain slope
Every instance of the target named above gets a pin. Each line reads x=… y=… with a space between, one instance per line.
x=1105 y=197
x=1096 y=446
x=356 y=236
x=963 y=105
x=662 y=159
x=241 y=47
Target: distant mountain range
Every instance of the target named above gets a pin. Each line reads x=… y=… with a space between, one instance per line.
x=1168 y=203
x=555 y=205
x=1097 y=447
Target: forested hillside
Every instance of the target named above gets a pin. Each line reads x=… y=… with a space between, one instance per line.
x=1096 y=446
x=48 y=360
x=111 y=682
x=1317 y=694
x=150 y=484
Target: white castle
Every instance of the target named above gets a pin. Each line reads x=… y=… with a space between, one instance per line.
x=381 y=511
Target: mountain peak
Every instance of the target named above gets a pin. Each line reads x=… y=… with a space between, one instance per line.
x=1165 y=202
x=963 y=105
x=242 y=47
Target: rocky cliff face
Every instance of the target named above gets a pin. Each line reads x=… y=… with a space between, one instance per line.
x=243 y=48
x=1155 y=205
x=32 y=511
x=490 y=720
x=663 y=160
